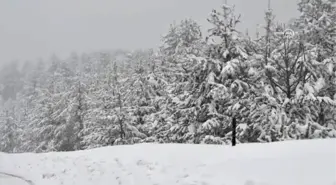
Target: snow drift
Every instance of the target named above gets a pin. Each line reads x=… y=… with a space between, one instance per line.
x=310 y=162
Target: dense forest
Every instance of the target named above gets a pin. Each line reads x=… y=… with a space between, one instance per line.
x=279 y=84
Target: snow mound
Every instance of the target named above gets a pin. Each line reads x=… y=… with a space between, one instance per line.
x=311 y=162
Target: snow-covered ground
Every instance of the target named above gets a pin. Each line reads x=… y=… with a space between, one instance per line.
x=310 y=162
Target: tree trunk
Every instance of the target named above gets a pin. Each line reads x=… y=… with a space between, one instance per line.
x=122 y=131
x=234 y=125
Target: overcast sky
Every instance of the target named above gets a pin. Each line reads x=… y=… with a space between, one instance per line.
x=38 y=28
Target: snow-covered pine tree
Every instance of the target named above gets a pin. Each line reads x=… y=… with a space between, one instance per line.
x=221 y=80
x=100 y=127
x=108 y=120
x=69 y=136
x=290 y=92
x=318 y=22
x=9 y=131
x=182 y=42
x=146 y=98
x=49 y=121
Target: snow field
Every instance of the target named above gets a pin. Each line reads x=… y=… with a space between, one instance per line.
x=311 y=162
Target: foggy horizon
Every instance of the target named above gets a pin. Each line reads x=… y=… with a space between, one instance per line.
x=38 y=29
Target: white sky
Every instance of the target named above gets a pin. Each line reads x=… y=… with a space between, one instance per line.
x=37 y=28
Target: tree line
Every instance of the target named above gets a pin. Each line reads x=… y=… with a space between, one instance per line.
x=278 y=85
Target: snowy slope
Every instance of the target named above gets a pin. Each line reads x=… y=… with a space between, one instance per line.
x=310 y=162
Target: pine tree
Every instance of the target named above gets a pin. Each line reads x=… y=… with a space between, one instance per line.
x=9 y=130
x=182 y=42
x=286 y=106
x=223 y=78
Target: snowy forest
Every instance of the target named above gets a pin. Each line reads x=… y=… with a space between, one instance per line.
x=279 y=84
